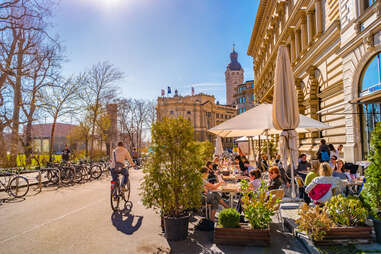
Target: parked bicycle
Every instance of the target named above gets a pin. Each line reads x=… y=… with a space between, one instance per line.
x=15 y=185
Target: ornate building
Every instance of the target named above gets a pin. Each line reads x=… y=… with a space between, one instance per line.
x=244 y=96
x=233 y=77
x=201 y=110
x=331 y=44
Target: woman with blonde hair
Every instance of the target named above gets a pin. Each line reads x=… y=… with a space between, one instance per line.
x=321 y=188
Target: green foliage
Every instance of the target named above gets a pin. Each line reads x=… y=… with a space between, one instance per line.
x=315 y=222
x=372 y=187
x=205 y=150
x=272 y=148
x=172 y=181
x=229 y=218
x=346 y=211
x=258 y=206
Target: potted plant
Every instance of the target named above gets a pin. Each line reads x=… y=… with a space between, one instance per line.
x=341 y=219
x=372 y=187
x=258 y=208
x=172 y=183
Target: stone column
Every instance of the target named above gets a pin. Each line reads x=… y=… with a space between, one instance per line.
x=310 y=31
x=292 y=35
x=304 y=33
x=297 y=43
x=318 y=17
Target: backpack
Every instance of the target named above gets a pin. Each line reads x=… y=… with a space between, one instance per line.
x=324 y=156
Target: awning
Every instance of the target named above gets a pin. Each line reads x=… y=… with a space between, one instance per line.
x=374 y=97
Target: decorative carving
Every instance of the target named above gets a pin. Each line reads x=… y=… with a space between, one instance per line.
x=369 y=40
x=357 y=27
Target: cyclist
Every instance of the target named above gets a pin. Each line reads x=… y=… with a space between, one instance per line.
x=119 y=155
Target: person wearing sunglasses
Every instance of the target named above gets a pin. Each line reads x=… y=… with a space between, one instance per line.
x=275 y=179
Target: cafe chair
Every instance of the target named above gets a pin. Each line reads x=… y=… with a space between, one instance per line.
x=278 y=194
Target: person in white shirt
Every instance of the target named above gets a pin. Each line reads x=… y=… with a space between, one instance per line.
x=118 y=158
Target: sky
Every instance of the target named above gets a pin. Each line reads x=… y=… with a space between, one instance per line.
x=158 y=43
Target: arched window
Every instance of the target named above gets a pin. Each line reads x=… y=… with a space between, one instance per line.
x=370 y=113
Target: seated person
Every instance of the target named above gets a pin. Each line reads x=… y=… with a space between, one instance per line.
x=313 y=173
x=338 y=170
x=255 y=180
x=324 y=185
x=212 y=198
x=212 y=178
x=333 y=161
x=275 y=179
x=216 y=163
x=303 y=165
x=248 y=166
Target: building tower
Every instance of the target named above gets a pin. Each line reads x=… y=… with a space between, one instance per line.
x=233 y=76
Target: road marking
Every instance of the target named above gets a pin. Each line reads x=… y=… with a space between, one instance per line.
x=52 y=220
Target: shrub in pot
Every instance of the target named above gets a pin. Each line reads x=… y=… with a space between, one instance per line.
x=371 y=192
x=337 y=218
x=229 y=218
x=172 y=183
x=258 y=206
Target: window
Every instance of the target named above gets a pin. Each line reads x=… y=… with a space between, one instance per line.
x=252 y=98
x=368 y=3
x=243 y=99
x=188 y=112
x=370 y=114
x=171 y=112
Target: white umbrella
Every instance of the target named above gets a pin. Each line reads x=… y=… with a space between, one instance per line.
x=258 y=120
x=285 y=111
x=219 y=148
x=245 y=139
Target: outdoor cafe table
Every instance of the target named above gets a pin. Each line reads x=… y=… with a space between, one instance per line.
x=233 y=178
x=231 y=188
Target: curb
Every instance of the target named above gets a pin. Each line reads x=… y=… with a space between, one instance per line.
x=307 y=244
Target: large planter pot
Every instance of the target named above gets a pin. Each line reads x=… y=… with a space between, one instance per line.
x=243 y=235
x=349 y=235
x=377 y=229
x=176 y=229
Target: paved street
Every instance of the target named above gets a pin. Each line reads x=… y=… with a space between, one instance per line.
x=79 y=219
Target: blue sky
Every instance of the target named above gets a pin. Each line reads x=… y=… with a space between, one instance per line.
x=158 y=43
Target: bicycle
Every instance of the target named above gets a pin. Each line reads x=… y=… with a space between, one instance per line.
x=17 y=186
x=117 y=193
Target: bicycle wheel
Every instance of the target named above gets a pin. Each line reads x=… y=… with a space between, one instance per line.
x=96 y=172
x=126 y=194
x=77 y=175
x=114 y=197
x=85 y=173
x=67 y=175
x=19 y=186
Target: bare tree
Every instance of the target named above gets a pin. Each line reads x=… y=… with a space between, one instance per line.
x=23 y=29
x=100 y=89
x=59 y=101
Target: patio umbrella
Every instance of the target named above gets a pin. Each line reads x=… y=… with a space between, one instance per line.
x=285 y=111
x=258 y=120
x=218 y=149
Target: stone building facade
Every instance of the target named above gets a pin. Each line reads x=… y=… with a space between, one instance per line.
x=201 y=110
x=330 y=43
x=244 y=96
x=233 y=77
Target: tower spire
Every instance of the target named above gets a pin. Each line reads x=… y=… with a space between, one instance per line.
x=233 y=46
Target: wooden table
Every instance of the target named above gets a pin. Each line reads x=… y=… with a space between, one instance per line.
x=231 y=188
x=233 y=177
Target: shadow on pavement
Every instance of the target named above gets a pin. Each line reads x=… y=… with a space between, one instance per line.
x=126 y=224
x=202 y=242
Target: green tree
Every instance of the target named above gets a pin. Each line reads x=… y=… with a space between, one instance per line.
x=372 y=188
x=205 y=150
x=172 y=181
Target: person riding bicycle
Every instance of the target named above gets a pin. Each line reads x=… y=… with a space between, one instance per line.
x=119 y=155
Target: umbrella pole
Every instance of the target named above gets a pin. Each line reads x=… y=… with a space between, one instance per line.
x=268 y=147
x=293 y=193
